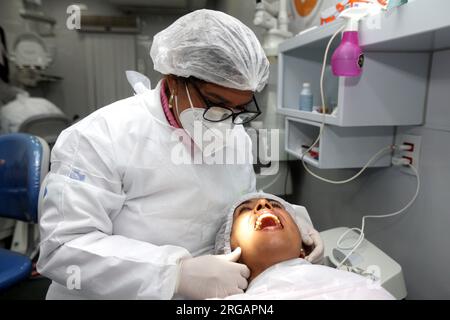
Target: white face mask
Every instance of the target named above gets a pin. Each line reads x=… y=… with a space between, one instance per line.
x=202 y=132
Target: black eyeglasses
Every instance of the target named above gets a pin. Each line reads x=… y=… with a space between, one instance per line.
x=217 y=113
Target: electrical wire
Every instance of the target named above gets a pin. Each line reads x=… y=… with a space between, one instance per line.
x=355 y=245
x=322 y=95
x=374 y=158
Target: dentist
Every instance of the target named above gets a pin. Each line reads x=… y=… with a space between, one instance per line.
x=120 y=216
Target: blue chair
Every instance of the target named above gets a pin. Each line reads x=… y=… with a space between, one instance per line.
x=24 y=161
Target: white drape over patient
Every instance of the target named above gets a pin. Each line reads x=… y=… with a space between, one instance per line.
x=298 y=279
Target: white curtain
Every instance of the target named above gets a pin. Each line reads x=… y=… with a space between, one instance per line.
x=108 y=56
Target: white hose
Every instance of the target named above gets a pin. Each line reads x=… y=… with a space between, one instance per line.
x=360 y=239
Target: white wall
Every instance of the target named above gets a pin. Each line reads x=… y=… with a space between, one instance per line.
x=242 y=10
x=70 y=94
x=151 y=25
x=12 y=23
x=10 y=19
x=70 y=62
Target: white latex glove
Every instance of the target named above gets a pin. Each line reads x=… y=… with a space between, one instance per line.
x=311 y=237
x=212 y=276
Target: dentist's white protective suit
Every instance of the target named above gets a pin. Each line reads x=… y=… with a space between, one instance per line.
x=116 y=207
x=119 y=219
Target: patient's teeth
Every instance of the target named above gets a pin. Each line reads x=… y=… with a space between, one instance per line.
x=265 y=215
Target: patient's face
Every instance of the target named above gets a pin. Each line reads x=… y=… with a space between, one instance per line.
x=266 y=233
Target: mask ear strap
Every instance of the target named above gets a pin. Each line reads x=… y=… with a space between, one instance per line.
x=176 y=105
x=194 y=114
x=188 y=95
x=173 y=94
x=175 y=97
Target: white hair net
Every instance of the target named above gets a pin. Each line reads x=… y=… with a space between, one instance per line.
x=223 y=237
x=214 y=47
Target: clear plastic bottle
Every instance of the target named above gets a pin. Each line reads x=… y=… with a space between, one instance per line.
x=306 y=98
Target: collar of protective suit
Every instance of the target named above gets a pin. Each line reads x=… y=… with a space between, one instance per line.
x=156 y=110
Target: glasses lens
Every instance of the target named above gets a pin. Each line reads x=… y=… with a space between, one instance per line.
x=245 y=117
x=217 y=114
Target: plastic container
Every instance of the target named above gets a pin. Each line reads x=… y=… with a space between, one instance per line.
x=306 y=98
x=348 y=59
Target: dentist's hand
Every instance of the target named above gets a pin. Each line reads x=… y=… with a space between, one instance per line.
x=212 y=276
x=311 y=237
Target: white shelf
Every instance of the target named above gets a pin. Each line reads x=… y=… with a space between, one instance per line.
x=392 y=88
x=390 y=92
x=416 y=26
x=339 y=147
x=306 y=158
x=291 y=112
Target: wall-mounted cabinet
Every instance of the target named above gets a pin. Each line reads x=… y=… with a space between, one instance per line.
x=339 y=147
x=390 y=92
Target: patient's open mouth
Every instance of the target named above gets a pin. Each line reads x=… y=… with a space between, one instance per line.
x=267 y=221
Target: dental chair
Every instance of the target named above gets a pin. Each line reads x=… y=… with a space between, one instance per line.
x=24 y=162
x=368 y=260
x=47 y=127
x=35 y=116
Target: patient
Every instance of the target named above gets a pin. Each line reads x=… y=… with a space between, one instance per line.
x=266 y=229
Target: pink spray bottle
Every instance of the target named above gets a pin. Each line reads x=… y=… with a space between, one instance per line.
x=348 y=58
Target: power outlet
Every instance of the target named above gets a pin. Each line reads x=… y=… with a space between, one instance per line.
x=414 y=154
